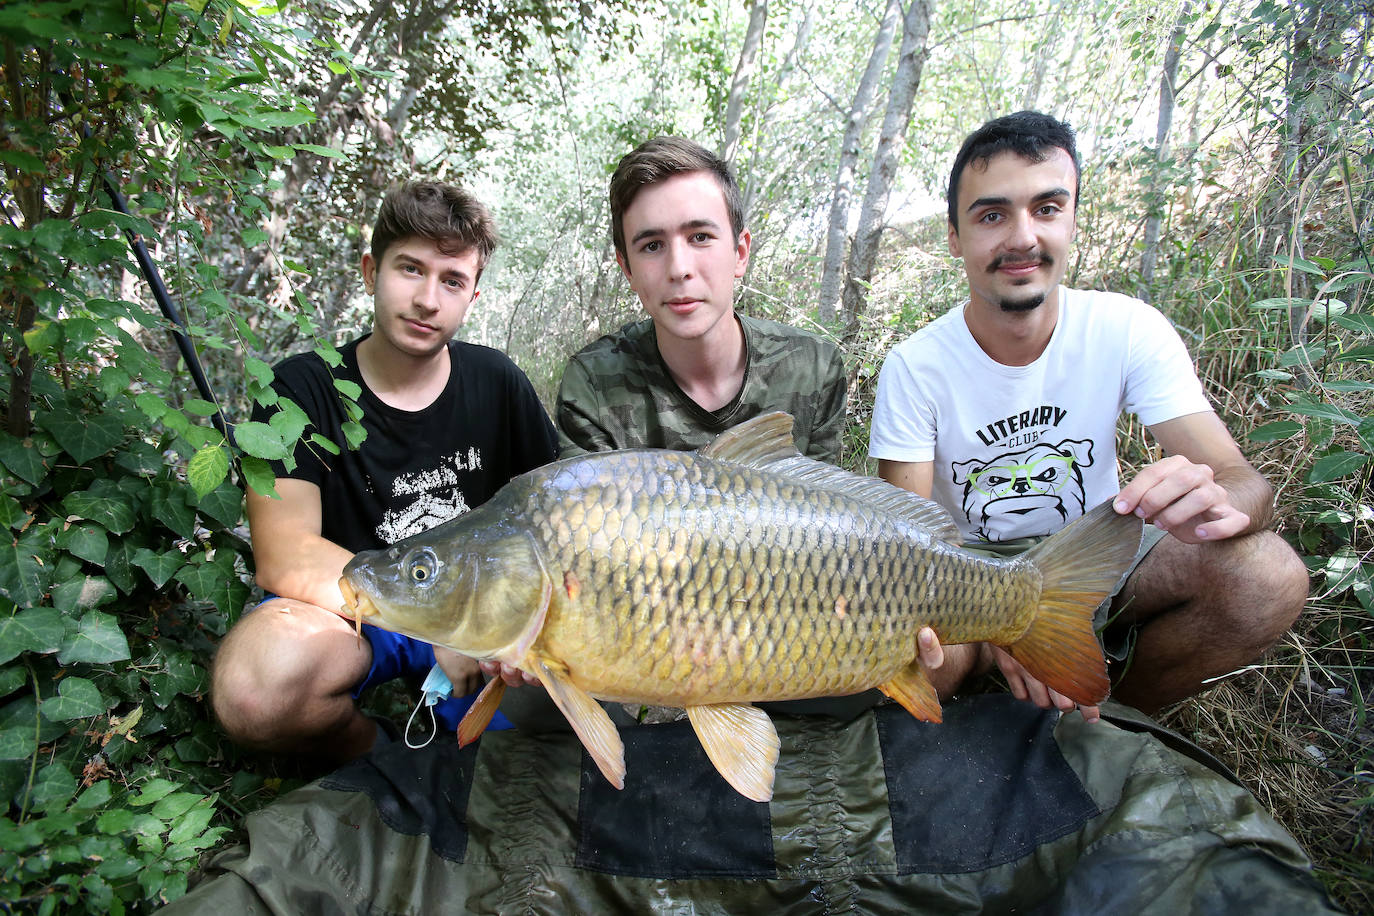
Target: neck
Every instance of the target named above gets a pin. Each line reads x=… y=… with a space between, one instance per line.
x=709 y=369
x=1012 y=338
x=399 y=379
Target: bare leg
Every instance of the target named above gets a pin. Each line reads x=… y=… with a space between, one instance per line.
x=283 y=679
x=1205 y=610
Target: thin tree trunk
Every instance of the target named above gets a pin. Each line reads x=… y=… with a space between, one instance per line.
x=1168 y=81
x=744 y=71
x=842 y=197
x=864 y=253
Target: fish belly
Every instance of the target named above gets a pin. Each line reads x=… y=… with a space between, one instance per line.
x=684 y=581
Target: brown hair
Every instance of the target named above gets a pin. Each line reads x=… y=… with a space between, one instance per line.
x=658 y=160
x=443 y=213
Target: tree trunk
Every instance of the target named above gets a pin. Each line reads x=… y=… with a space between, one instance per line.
x=1154 y=221
x=744 y=71
x=842 y=197
x=864 y=253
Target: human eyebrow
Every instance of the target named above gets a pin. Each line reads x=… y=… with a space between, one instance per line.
x=643 y=234
x=988 y=202
x=1052 y=194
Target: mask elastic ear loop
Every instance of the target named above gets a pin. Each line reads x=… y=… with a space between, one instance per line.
x=436 y=687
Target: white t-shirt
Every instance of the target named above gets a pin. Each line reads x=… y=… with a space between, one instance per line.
x=1023 y=450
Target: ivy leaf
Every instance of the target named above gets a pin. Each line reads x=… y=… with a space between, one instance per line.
x=168 y=505
x=215 y=581
x=260 y=441
x=224 y=505
x=22 y=459
x=34 y=629
x=118 y=567
x=82 y=436
x=158 y=566
x=207 y=469
x=81 y=593
x=102 y=504
x=12 y=514
x=98 y=640
x=88 y=542
x=17 y=743
x=77 y=698
x=25 y=568
x=1340 y=464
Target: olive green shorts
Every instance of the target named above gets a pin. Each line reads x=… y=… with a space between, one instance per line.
x=1117 y=641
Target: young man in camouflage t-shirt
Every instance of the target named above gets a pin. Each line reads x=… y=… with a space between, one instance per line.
x=693 y=368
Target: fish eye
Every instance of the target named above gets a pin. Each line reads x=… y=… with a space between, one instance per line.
x=422 y=566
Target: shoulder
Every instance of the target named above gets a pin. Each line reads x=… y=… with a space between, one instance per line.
x=473 y=357
x=304 y=370
x=764 y=333
x=936 y=340
x=630 y=352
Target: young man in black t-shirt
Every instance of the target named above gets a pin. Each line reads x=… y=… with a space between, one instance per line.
x=448 y=424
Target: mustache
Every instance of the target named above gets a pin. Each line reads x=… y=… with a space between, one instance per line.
x=1003 y=260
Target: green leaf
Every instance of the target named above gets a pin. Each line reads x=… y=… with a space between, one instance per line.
x=152 y=406
x=168 y=504
x=81 y=593
x=224 y=505
x=1340 y=464
x=82 y=436
x=1284 y=303
x=350 y=390
x=1310 y=267
x=34 y=629
x=1325 y=411
x=152 y=791
x=258 y=475
x=1302 y=355
x=1356 y=354
x=1361 y=324
x=170 y=807
x=199 y=407
x=17 y=743
x=1273 y=432
x=159 y=566
x=327 y=151
x=98 y=640
x=22 y=459
x=25 y=568
x=102 y=503
x=260 y=441
x=77 y=698
x=89 y=542
x=53 y=790
x=207 y=469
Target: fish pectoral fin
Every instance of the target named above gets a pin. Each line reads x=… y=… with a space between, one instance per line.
x=478 y=716
x=742 y=743
x=595 y=729
x=912 y=688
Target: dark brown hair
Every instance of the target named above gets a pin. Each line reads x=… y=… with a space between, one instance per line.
x=1029 y=134
x=658 y=160
x=443 y=213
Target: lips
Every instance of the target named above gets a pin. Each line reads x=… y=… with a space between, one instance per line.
x=1008 y=264
x=682 y=306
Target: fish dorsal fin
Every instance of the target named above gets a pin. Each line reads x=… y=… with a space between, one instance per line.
x=759 y=443
x=765 y=442
x=742 y=743
x=595 y=729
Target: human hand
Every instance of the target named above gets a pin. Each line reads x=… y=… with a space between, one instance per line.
x=1184 y=499
x=461 y=670
x=1025 y=687
x=512 y=675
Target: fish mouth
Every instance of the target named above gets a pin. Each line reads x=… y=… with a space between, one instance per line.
x=358 y=604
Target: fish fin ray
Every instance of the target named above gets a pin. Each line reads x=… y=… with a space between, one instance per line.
x=593 y=727
x=742 y=743
x=911 y=687
x=760 y=442
x=1079 y=566
x=478 y=716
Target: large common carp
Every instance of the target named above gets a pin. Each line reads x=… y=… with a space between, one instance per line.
x=741 y=572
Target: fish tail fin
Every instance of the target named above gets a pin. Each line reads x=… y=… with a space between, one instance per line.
x=1079 y=566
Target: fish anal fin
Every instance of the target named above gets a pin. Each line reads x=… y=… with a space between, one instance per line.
x=593 y=727
x=478 y=716
x=742 y=743
x=911 y=687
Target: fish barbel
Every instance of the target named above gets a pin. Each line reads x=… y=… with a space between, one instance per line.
x=738 y=573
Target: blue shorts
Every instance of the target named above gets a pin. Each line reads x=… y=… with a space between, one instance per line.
x=393 y=656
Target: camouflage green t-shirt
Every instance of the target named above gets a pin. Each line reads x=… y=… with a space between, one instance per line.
x=617 y=393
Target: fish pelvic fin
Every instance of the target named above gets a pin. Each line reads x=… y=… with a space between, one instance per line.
x=742 y=743
x=1079 y=566
x=593 y=727
x=478 y=716
x=911 y=687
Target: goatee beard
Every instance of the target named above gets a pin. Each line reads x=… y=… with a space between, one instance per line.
x=1023 y=305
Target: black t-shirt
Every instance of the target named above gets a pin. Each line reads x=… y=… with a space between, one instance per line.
x=416 y=469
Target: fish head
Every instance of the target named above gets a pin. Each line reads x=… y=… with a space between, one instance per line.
x=480 y=590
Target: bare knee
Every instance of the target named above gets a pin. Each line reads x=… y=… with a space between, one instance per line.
x=277 y=671
x=1260 y=585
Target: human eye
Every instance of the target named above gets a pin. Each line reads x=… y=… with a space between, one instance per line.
x=454 y=283
x=651 y=246
x=990 y=217
x=701 y=237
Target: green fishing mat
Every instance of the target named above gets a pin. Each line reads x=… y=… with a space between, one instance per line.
x=1002 y=808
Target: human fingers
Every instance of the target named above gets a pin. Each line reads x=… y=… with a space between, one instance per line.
x=1090 y=713
x=932 y=654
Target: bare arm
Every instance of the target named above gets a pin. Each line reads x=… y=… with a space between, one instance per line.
x=1205 y=490
x=293 y=559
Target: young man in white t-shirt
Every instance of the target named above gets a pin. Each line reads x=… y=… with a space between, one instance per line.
x=1004 y=411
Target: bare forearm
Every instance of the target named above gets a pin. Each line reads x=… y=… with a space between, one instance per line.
x=309 y=572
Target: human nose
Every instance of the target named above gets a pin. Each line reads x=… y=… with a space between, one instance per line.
x=679 y=260
x=427 y=294
x=1020 y=232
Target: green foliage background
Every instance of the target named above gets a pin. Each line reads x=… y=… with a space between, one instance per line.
x=252 y=142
